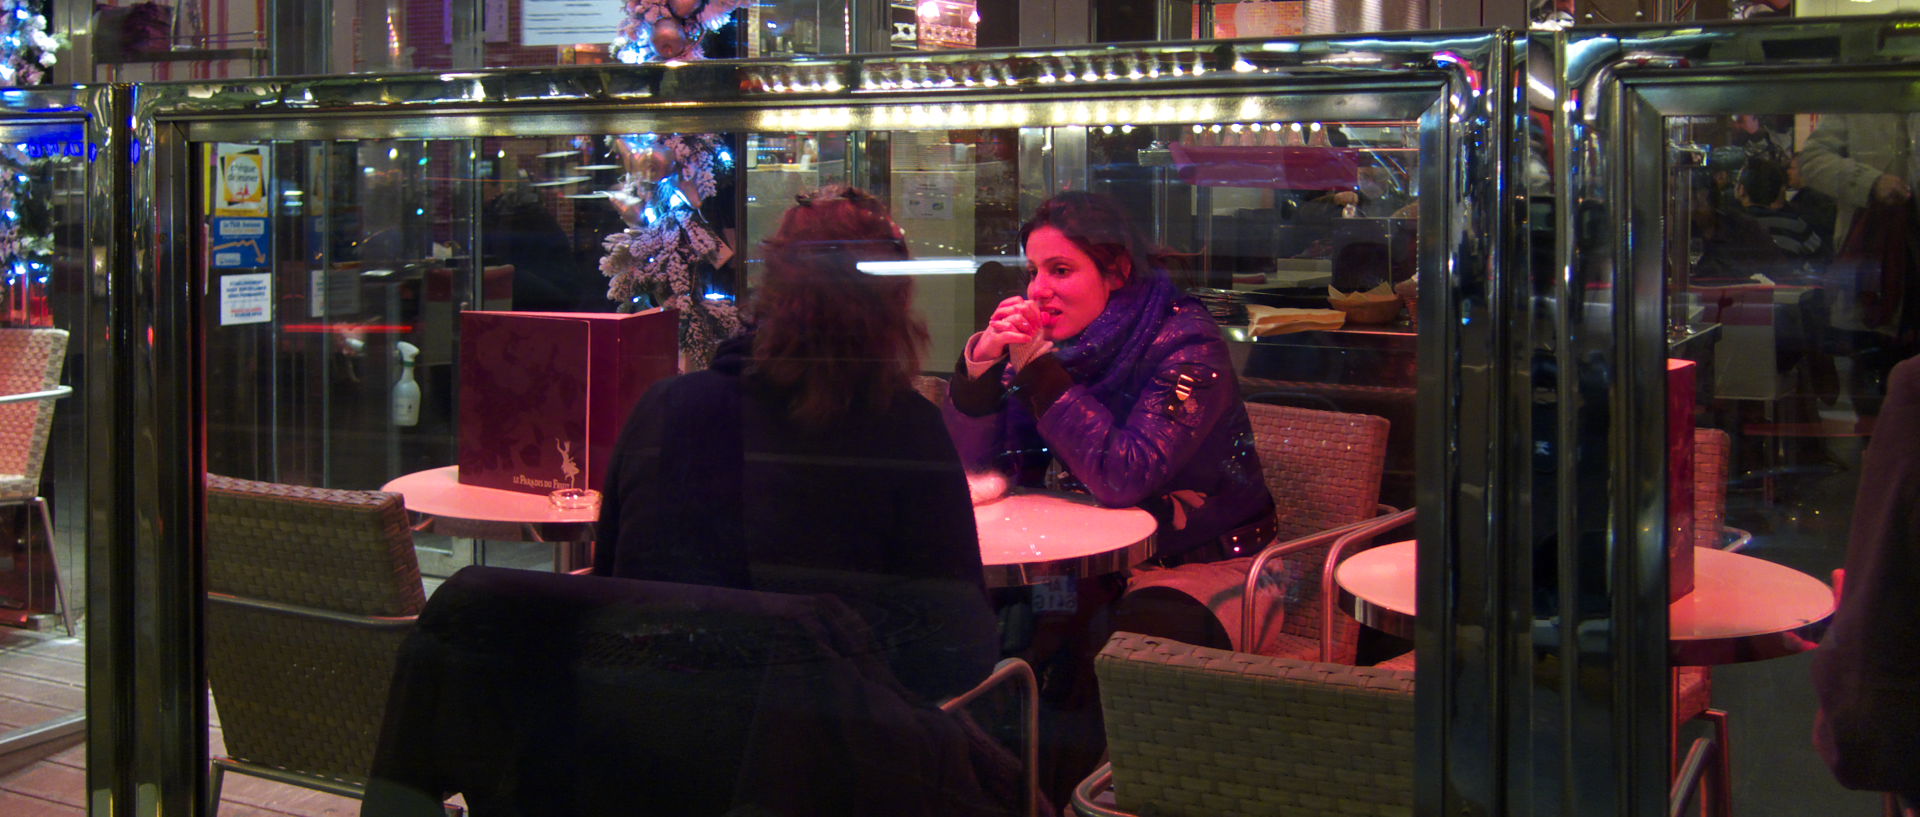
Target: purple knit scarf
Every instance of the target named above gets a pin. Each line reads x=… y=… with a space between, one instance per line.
x=1104 y=357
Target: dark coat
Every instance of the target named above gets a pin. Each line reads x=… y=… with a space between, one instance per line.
x=543 y=695
x=1867 y=669
x=712 y=483
x=1189 y=460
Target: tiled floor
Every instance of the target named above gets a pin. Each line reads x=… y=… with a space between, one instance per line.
x=43 y=677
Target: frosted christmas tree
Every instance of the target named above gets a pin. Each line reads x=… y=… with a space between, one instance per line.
x=661 y=255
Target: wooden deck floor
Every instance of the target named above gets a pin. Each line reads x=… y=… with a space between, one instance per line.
x=42 y=677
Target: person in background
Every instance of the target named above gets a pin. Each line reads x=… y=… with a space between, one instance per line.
x=1866 y=162
x=1762 y=189
x=804 y=462
x=1812 y=206
x=1757 y=9
x=517 y=228
x=1868 y=725
x=1375 y=194
x=1763 y=137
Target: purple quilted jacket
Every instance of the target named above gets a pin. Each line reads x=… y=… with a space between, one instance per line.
x=1176 y=443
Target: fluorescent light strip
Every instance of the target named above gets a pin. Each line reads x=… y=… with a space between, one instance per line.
x=929 y=266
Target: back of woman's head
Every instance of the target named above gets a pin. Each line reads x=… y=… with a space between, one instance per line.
x=833 y=337
x=1102 y=228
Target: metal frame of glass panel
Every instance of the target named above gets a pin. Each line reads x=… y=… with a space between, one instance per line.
x=1449 y=82
x=1601 y=386
x=91 y=465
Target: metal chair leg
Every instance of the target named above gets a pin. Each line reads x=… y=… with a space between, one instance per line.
x=1722 y=786
x=214 y=780
x=59 y=580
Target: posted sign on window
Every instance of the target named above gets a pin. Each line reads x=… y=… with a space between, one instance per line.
x=246 y=298
x=241 y=175
x=566 y=22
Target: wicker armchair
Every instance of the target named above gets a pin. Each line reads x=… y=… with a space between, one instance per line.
x=1323 y=469
x=310 y=592
x=1195 y=731
x=1712 y=448
x=30 y=362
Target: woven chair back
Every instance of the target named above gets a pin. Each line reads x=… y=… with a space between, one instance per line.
x=1323 y=469
x=1711 y=450
x=30 y=361
x=303 y=692
x=931 y=387
x=1198 y=731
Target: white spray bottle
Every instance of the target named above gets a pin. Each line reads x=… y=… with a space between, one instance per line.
x=406 y=392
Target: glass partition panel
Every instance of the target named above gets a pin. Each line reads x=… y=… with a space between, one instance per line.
x=1737 y=256
x=1785 y=323
x=52 y=280
x=45 y=274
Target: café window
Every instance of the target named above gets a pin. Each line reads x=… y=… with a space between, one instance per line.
x=498 y=331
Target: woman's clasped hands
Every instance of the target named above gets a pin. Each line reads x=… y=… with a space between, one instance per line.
x=1016 y=329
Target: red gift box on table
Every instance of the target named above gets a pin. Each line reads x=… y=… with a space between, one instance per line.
x=543 y=395
x=1680 y=399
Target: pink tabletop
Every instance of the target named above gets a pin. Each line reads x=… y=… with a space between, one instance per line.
x=1027 y=537
x=1741 y=608
x=1377 y=587
x=1745 y=609
x=438 y=493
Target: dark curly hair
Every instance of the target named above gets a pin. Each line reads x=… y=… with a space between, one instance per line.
x=1103 y=229
x=831 y=336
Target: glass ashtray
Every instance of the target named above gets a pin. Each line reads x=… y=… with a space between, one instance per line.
x=574 y=499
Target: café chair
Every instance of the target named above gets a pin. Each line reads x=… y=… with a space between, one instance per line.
x=1323 y=469
x=1712 y=450
x=1193 y=730
x=30 y=362
x=1690 y=774
x=310 y=592
x=555 y=694
x=1355 y=539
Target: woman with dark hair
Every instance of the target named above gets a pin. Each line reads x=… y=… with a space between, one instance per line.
x=1104 y=377
x=1105 y=368
x=803 y=461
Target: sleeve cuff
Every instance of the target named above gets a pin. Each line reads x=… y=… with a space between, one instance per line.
x=1043 y=380
x=975 y=368
x=977 y=395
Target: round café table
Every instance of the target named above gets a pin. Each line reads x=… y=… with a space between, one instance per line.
x=1029 y=537
x=1741 y=608
x=439 y=503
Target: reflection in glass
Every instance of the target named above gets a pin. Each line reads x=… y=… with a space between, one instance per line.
x=1778 y=282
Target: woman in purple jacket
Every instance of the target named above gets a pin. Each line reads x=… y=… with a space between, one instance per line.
x=1105 y=378
x=1106 y=368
